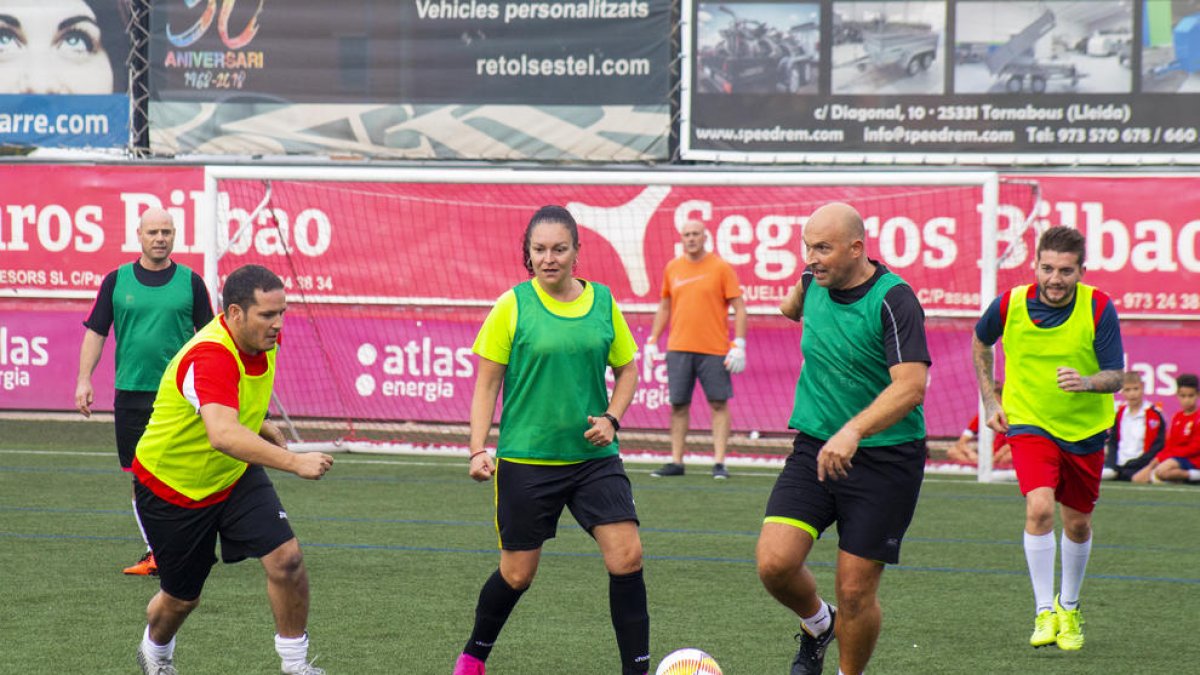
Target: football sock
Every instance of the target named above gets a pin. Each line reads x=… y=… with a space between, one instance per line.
x=818 y=623
x=292 y=651
x=630 y=620
x=496 y=602
x=1074 y=562
x=1039 y=555
x=156 y=651
x=141 y=529
x=1193 y=475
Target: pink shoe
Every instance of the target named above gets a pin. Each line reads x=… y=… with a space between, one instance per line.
x=469 y=665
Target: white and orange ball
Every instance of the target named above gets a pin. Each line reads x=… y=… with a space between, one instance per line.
x=688 y=662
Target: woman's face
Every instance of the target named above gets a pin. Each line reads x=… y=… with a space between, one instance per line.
x=52 y=48
x=552 y=253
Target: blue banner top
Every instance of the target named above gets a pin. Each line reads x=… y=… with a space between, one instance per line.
x=64 y=121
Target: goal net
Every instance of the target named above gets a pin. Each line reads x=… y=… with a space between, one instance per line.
x=390 y=273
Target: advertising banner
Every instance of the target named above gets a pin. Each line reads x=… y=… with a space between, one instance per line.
x=509 y=79
x=62 y=228
x=995 y=81
x=1143 y=238
x=1144 y=233
x=63 y=78
x=378 y=367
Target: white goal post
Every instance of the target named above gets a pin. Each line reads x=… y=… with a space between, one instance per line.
x=217 y=233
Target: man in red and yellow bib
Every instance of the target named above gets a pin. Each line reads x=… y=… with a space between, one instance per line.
x=1063 y=360
x=200 y=472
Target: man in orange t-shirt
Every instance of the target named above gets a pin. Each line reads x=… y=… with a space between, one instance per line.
x=698 y=290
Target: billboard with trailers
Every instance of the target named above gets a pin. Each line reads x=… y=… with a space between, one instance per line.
x=941 y=82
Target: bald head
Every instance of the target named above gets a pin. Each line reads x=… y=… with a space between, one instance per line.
x=156 y=216
x=156 y=234
x=839 y=222
x=694 y=236
x=835 y=247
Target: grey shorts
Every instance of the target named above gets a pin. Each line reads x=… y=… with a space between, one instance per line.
x=684 y=368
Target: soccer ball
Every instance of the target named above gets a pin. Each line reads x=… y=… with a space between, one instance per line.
x=688 y=662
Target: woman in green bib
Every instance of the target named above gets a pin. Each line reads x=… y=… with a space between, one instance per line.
x=549 y=342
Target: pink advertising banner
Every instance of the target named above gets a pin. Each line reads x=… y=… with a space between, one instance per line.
x=1143 y=238
x=63 y=227
x=386 y=366
x=460 y=241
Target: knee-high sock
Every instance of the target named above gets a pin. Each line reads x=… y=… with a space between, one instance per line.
x=631 y=621
x=1039 y=555
x=496 y=602
x=1074 y=562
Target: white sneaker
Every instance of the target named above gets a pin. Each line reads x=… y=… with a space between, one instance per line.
x=151 y=666
x=305 y=669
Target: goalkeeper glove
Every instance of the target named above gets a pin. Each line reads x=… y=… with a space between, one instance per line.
x=735 y=360
x=650 y=352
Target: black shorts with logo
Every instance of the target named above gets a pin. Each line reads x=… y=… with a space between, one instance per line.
x=250 y=522
x=530 y=498
x=872 y=506
x=131 y=414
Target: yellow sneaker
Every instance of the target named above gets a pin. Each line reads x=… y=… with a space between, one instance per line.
x=1045 y=629
x=1070 y=627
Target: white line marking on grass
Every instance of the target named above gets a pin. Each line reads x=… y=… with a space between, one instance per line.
x=73 y=453
x=359 y=459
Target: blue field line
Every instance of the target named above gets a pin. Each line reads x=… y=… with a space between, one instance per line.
x=828 y=536
x=660 y=558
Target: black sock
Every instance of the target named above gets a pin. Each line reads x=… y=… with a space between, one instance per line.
x=631 y=621
x=496 y=602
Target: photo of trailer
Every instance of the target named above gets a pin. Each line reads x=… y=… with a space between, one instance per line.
x=1171 y=47
x=757 y=48
x=888 y=47
x=1043 y=47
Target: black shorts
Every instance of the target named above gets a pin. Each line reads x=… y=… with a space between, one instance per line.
x=684 y=368
x=530 y=498
x=872 y=506
x=131 y=414
x=251 y=523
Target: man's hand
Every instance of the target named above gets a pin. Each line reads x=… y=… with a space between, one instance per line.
x=650 y=352
x=996 y=419
x=735 y=360
x=833 y=461
x=83 y=397
x=312 y=465
x=1070 y=380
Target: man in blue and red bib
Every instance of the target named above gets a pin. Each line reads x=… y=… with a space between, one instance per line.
x=200 y=473
x=1063 y=361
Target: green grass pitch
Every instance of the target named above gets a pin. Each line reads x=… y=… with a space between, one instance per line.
x=397 y=548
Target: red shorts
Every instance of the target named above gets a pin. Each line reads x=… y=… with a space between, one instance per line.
x=1039 y=462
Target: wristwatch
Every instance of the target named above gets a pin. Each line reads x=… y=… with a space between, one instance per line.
x=615 y=422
